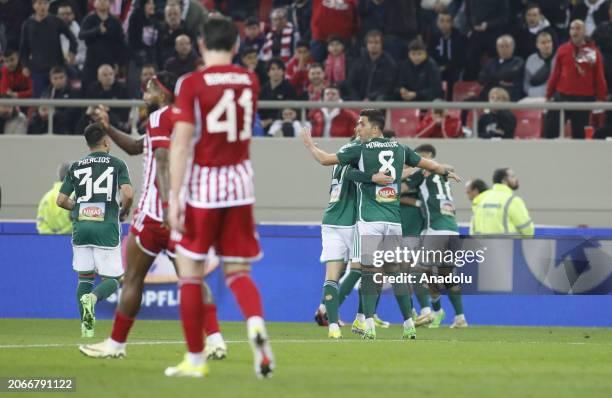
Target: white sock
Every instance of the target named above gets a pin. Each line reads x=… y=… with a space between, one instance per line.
x=215 y=339
x=333 y=327
x=460 y=317
x=115 y=344
x=322 y=308
x=370 y=323
x=256 y=323
x=408 y=323
x=425 y=311
x=195 y=358
x=360 y=317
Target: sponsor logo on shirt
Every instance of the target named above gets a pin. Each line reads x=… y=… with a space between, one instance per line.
x=387 y=193
x=92 y=211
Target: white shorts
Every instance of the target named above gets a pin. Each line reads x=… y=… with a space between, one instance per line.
x=104 y=262
x=337 y=243
x=371 y=236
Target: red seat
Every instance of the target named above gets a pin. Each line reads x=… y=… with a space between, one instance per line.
x=528 y=123
x=405 y=122
x=463 y=90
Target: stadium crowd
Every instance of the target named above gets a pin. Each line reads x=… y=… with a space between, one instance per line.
x=363 y=50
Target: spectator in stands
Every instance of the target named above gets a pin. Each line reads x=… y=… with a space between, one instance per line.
x=41 y=47
x=252 y=35
x=371 y=16
x=316 y=83
x=193 y=14
x=447 y=47
x=332 y=122
x=505 y=71
x=299 y=14
x=276 y=89
x=250 y=60
x=297 y=67
x=401 y=26
x=526 y=36
x=281 y=37
x=171 y=29
x=373 y=74
x=336 y=63
x=106 y=87
x=142 y=37
x=64 y=119
x=13 y=13
x=603 y=38
x=66 y=13
x=338 y=18
x=12 y=121
x=591 y=12
x=40 y=122
x=538 y=67
x=418 y=78
x=13 y=81
x=487 y=20
x=103 y=35
x=186 y=59
x=578 y=76
x=52 y=219
x=557 y=12
x=497 y=123
x=288 y=125
x=439 y=123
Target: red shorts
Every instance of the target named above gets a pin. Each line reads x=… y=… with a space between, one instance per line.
x=151 y=236
x=230 y=230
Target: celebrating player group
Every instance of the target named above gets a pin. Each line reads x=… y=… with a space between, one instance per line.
x=198 y=194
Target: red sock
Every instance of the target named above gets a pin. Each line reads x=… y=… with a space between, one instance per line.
x=211 y=323
x=192 y=313
x=246 y=293
x=121 y=327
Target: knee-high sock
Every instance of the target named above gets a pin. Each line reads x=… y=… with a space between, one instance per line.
x=211 y=323
x=246 y=293
x=454 y=295
x=436 y=305
x=330 y=294
x=107 y=287
x=370 y=293
x=85 y=285
x=422 y=295
x=121 y=327
x=403 y=297
x=192 y=313
x=348 y=284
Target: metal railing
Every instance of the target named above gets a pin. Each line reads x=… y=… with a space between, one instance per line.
x=562 y=107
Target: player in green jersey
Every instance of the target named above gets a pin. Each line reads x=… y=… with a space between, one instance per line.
x=378 y=214
x=440 y=233
x=337 y=232
x=103 y=197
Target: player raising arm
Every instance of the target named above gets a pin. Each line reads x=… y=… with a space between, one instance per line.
x=217 y=209
x=149 y=232
x=97 y=179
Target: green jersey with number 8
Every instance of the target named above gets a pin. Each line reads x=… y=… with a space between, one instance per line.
x=95 y=180
x=378 y=203
x=435 y=192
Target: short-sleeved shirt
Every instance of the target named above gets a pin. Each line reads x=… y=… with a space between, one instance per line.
x=221 y=101
x=342 y=208
x=437 y=198
x=159 y=131
x=95 y=180
x=378 y=203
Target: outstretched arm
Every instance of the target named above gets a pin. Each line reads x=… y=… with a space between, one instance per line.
x=131 y=146
x=324 y=158
x=437 y=168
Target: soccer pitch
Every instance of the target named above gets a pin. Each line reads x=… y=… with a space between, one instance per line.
x=474 y=362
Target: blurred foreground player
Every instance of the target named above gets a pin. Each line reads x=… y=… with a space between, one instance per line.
x=98 y=181
x=215 y=207
x=149 y=233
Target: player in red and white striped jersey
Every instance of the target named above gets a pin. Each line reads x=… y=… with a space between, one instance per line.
x=149 y=232
x=215 y=110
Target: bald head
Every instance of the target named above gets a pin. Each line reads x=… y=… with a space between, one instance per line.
x=106 y=76
x=577 y=32
x=182 y=45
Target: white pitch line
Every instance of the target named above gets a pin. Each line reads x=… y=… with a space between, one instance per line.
x=302 y=341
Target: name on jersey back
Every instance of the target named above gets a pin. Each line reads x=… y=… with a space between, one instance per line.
x=217 y=79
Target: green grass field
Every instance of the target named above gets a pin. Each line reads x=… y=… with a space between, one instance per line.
x=475 y=362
